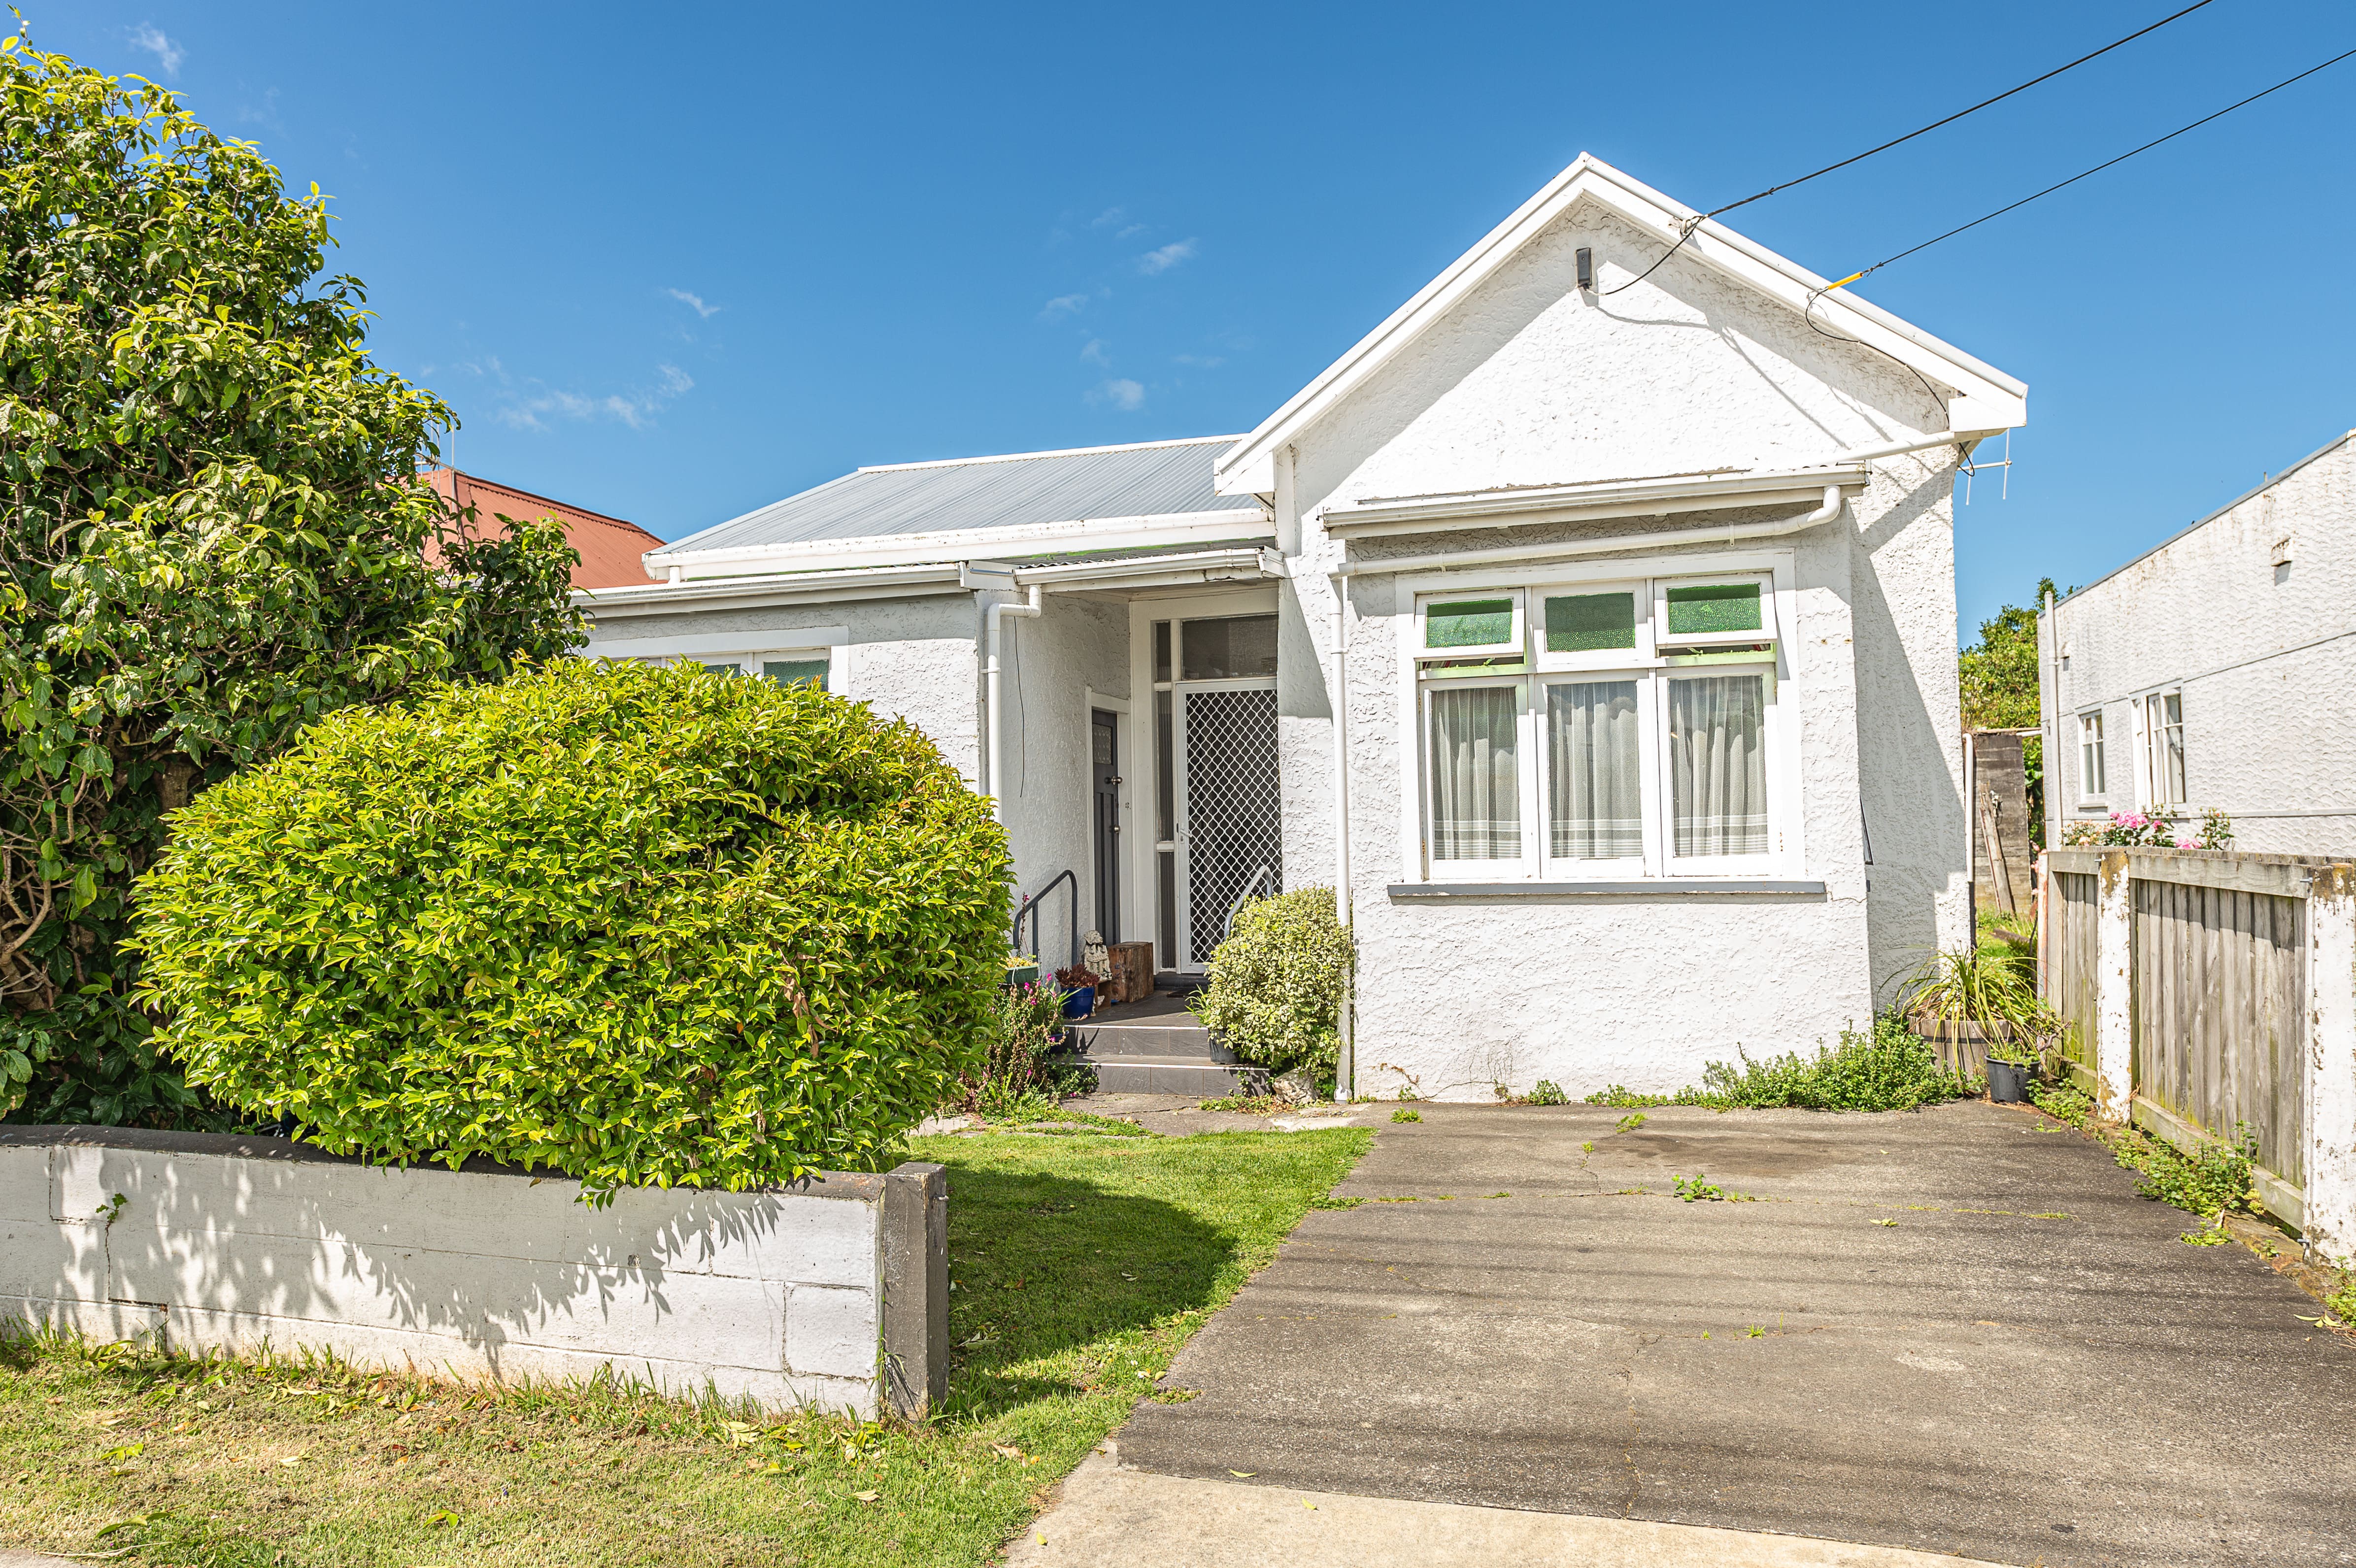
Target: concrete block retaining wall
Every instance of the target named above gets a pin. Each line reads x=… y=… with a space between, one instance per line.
x=829 y=1293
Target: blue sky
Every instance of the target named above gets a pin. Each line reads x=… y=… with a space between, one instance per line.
x=673 y=262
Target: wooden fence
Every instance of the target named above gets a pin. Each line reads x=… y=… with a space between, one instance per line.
x=2209 y=993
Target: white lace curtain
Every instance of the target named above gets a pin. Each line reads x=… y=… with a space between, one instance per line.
x=1476 y=809
x=1717 y=767
x=1594 y=788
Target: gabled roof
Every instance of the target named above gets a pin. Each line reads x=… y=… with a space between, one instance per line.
x=610 y=548
x=1981 y=397
x=1154 y=479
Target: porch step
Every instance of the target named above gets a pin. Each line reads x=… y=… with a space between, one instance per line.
x=1173 y=1076
x=1157 y=1048
x=1160 y=1039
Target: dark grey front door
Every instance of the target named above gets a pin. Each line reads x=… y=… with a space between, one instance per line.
x=1104 y=738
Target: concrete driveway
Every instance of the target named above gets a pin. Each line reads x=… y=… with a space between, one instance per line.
x=1957 y=1331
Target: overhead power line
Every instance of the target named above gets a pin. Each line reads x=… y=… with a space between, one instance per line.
x=2098 y=168
x=1959 y=114
x=1693 y=223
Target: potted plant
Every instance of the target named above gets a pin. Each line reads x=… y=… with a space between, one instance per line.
x=1022 y=969
x=1079 y=991
x=1980 y=1001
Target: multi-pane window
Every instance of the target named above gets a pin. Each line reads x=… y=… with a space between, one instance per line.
x=2163 y=729
x=1620 y=729
x=2091 y=782
x=789 y=669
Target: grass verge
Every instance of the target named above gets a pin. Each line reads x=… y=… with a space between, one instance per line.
x=1081 y=1264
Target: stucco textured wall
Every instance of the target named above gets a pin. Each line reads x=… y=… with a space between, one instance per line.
x=2263 y=653
x=1531 y=383
x=1075 y=645
x=776 y=1296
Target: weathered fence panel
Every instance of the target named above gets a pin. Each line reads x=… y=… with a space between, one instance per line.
x=2073 y=989
x=2218 y=995
x=2208 y=991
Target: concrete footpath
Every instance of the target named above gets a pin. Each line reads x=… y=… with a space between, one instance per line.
x=1958 y=1333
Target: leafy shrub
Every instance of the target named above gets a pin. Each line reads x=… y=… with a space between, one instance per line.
x=1890 y=1069
x=214 y=533
x=1275 y=996
x=1547 y=1091
x=1015 y=1076
x=638 y=925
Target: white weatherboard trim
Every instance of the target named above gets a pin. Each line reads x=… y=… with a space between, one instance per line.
x=1060 y=451
x=690 y=645
x=1984 y=398
x=1091 y=534
x=1587 y=503
x=755 y=593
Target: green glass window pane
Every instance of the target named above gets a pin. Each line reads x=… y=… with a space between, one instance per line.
x=1584 y=623
x=796 y=672
x=723 y=669
x=1715 y=607
x=1469 y=623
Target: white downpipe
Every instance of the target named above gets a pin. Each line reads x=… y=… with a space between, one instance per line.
x=1619 y=544
x=1346 y=1068
x=992 y=620
x=1914 y=444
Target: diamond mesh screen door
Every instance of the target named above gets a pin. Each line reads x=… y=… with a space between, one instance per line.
x=1230 y=804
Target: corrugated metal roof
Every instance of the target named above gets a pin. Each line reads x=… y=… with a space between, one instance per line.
x=1153 y=480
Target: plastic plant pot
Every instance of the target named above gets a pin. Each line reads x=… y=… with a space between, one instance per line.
x=1023 y=975
x=2008 y=1081
x=1078 y=1004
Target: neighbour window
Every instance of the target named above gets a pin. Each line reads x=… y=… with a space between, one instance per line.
x=794 y=668
x=2163 y=727
x=2091 y=780
x=1622 y=729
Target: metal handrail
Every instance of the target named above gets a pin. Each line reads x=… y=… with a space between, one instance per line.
x=1262 y=874
x=1030 y=911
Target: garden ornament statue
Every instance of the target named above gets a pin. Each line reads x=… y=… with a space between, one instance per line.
x=1092 y=955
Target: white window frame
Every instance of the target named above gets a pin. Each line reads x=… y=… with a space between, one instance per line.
x=1664 y=638
x=1510 y=647
x=2151 y=728
x=1524 y=767
x=2092 y=739
x=1637 y=588
x=747 y=650
x=1651 y=668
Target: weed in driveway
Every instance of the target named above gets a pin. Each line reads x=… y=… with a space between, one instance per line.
x=1406 y=1116
x=1628 y=1124
x=2213 y=1181
x=1701 y=1189
x=1888 y=1068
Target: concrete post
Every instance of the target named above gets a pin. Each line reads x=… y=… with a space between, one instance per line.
x=2113 y=984
x=916 y=1287
x=2331 y=1066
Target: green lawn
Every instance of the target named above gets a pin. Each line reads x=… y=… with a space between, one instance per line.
x=1081 y=1264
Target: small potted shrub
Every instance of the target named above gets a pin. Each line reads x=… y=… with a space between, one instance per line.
x=1984 y=996
x=1079 y=991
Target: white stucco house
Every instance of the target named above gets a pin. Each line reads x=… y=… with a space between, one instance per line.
x=2207 y=672
x=1591 y=622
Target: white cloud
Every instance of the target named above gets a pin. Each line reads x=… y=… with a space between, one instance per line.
x=694 y=302
x=1121 y=392
x=1108 y=218
x=1203 y=361
x=1095 y=353
x=149 y=37
x=1130 y=233
x=539 y=407
x=1169 y=256
x=1062 y=305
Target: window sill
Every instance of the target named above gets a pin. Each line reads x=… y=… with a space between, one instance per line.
x=1655 y=886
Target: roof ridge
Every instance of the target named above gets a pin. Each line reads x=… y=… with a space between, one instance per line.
x=1059 y=451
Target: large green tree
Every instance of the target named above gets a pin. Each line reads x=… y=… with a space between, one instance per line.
x=1999 y=672
x=215 y=532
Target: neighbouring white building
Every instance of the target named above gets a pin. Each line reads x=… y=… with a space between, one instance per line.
x=1591 y=622
x=2211 y=672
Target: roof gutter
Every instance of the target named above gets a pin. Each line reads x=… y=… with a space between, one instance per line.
x=1590 y=503
x=1092 y=534
x=1826 y=510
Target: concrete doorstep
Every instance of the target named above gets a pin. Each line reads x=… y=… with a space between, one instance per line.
x=1110 y=1513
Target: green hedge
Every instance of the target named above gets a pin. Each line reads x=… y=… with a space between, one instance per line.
x=640 y=925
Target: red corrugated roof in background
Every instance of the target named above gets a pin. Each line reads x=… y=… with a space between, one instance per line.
x=609 y=546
